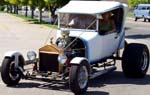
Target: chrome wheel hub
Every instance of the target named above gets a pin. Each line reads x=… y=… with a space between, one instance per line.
x=13 y=72
x=145 y=61
x=83 y=77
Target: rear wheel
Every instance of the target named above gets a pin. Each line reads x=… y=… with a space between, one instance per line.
x=11 y=75
x=135 y=60
x=79 y=77
x=148 y=20
x=136 y=18
x=144 y=19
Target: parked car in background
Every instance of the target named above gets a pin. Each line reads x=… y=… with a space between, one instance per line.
x=142 y=11
x=28 y=8
x=37 y=10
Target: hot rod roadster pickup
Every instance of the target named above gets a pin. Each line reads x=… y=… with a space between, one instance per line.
x=82 y=51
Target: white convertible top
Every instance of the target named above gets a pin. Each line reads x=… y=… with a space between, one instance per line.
x=89 y=7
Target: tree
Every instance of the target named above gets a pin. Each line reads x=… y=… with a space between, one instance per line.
x=9 y=7
x=15 y=3
x=134 y=3
x=32 y=4
x=40 y=4
x=2 y=2
x=25 y=3
x=54 y=4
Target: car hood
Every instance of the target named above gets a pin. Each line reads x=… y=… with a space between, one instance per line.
x=82 y=34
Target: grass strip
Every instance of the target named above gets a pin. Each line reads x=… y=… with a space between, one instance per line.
x=35 y=21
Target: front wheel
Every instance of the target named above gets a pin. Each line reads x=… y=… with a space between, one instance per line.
x=135 y=61
x=79 y=77
x=11 y=75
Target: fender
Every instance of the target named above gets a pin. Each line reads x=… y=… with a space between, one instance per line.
x=16 y=55
x=12 y=53
x=78 y=60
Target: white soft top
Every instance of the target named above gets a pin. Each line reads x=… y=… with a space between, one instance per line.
x=89 y=7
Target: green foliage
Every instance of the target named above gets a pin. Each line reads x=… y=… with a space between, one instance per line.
x=51 y=4
x=56 y=3
x=2 y=8
x=14 y=2
x=32 y=3
x=6 y=1
x=24 y=2
x=40 y=4
x=134 y=3
x=62 y=2
x=2 y=2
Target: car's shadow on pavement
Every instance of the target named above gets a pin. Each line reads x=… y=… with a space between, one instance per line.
x=114 y=78
x=127 y=28
x=117 y=77
x=139 y=36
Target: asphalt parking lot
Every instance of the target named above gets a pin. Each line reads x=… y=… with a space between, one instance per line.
x=17 y=34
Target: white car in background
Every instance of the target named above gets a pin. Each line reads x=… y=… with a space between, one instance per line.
x=142 y=11
x=37 y=10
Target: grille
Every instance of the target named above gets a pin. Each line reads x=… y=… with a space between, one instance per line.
x=48 y=62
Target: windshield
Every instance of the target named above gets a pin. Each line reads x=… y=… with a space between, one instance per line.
x=78 y=21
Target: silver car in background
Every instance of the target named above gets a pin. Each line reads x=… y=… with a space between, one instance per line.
x=142 y=11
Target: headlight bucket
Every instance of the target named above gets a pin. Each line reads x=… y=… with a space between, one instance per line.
x=62 y=58
x=31 y=55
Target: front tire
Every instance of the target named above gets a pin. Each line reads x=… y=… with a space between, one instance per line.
x=135 y=60
x=11 y=75
x=79 y=77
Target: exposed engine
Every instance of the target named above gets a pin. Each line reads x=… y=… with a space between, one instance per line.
x=73 y=47
x=57 y=57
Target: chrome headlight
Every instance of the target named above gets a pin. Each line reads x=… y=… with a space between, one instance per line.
x=62 y=58
x=31 y=56
x=62 y=44
x=65 y=33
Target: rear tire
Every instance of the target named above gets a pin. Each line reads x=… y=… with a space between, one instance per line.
x=11 y=75
x=79 y=77
x=135 y=61
x=144 y=19
x=136 y=18
x=125 y=44
x=148 y=20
